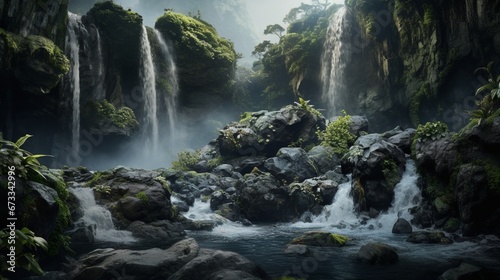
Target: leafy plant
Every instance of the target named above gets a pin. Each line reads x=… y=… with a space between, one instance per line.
x=25 y=243
x=102 y=189
x=431 y=131
x=354 y=153
x=25 y=162
x=304 y=104
x=164 y=183
x=338 y=135
x=186 y=160
x=490 y=102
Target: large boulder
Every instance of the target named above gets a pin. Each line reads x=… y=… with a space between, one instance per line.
x=264 y=133
x=403 y=140
x=324 y=158
x=376 y=172
x=439 y=156
x=103 y=264
x=466 y=271
x=377 y=253
x=215 y=264
x=262 y=198
x=291 y=164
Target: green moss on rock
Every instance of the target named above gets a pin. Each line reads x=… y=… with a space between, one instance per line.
x=204 y=58
x=321 y=238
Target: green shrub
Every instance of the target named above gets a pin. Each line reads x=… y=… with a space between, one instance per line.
x=431 y=131
x=338 y=135
x=186 y=160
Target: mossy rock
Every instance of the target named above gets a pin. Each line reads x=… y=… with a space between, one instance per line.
x=204 y=58
x=108 y=119
x=321 y=238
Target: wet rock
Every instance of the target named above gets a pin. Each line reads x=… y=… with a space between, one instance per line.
x=263 y=199
x=44 y=208
x=323 y=158
x=466 y=271
x=429 y=237
x=321 y=238
x=403 y=140
x=103 y=264
x=206 y=225
x=377 y=253
x=224 y=170
x=402 y=226
x=218 y=198
x=214 y=264
x=301 y=250
x=158 y=230
x=291 y=164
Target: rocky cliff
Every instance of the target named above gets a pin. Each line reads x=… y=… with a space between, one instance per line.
x=418 y=57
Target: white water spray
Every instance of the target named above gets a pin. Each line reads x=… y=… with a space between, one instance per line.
x=100 y=92
x=99 y=216
x=148 y=78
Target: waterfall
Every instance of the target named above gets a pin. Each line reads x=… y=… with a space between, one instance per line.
x=171 y=98
x=336 y=56
x=100 y=93
x=99 y=216
x=74 y=25
x=147 y=75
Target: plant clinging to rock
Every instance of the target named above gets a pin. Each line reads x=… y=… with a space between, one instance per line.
x=338 y=135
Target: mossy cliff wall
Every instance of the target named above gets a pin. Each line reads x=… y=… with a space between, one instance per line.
x=414 y=60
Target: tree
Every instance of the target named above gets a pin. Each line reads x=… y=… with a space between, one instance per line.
x=322 y=4
x=262 y=48
x=298 y=12
x=275 y=29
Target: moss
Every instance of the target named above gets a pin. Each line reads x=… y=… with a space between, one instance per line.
x=416 y=100
x=493 y=172
x=452 y=225
x=186 y=160
x=245 y=117
x=166 y=184
x=429 y=16
x=340 y=239
x=95 y=178
x=391 y=173
x=123 y=117
x=142 y=196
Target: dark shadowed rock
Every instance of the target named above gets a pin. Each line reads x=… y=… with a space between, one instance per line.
x=210 y=263
x=291 y=164
x=402 y=226
x=377 y=253
x=403 y=140
x=323 y=158
x=466 y=271
x=429 y=237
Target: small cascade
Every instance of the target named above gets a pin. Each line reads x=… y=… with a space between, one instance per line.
x=74 y=25
x=340 y=213
x=148 y=78
x=171 y=98
x=336 y=56
x=99 y=216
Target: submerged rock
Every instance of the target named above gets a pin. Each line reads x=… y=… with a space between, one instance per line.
x=465 y=271
x=429 y=237
x=377 y=253
x=321 y=238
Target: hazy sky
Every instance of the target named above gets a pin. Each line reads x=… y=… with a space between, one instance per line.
x=266 y=12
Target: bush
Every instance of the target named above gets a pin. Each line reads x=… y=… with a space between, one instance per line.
x=431 y=131
x=337 y=135
x=186 y=160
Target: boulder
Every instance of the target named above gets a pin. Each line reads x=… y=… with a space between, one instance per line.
x=291 y=165
x=321 y=238
x=402 y=226
x=429 y=237
x=263 y=199
x=215 y=264
x=41 y=203
x=323 y=158
x=158 y=230
x=376 y=172
x=103 y=264
x=377 y=253
x=403 y=140
x=264 y=133
x=439 y=156
x=466 y=271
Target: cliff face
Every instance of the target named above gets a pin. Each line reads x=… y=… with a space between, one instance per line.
x=419 y=57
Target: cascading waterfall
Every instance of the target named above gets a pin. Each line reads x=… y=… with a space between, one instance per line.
x=170 y=99
x=74 y=25
x=148 y=78
x=99 y=216
x=335 y=57
x=341 y=212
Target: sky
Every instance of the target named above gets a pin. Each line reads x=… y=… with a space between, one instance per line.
x=266 y=12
